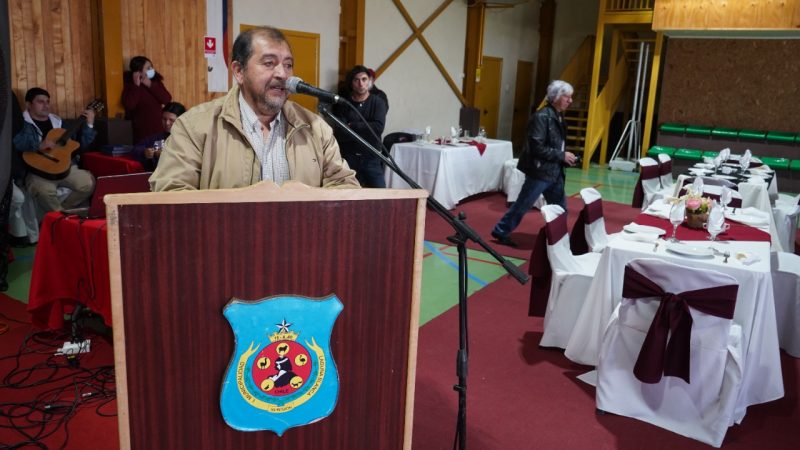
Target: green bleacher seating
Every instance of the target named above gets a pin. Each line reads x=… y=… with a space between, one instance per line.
x=698 y=130
x=673 y=128
x=775 y=163
x=688 y=154
x=725 y=133
x=659 y=149
x=710 y=154
x=754 y=135
x=781 y=136
x=795 y=165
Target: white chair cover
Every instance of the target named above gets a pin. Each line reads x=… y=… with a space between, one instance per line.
x=785 y=214
x=651 y=185
x=571 y=278
x=595 y=231
x=786 y=286
x=513 y=179
x=702 y=409
x=23 y=217
x=667 y=182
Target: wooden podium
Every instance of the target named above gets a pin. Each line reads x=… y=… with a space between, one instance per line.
x=177 y=258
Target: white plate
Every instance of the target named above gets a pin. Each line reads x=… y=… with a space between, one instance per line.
x=724 y=177
x=689 y=250
x=694 y=171
x=634 y=227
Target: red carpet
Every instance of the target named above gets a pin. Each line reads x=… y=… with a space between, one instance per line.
x=485 y=210
x=521 y=396
x=40 y=388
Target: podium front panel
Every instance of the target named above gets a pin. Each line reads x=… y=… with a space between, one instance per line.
x=180 y=264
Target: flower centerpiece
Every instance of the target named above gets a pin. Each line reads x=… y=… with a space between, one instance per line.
x=696 y=209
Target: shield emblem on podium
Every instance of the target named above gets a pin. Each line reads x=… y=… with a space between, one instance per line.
x=282 y=373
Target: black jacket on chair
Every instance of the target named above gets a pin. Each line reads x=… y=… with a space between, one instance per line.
x=543 y=157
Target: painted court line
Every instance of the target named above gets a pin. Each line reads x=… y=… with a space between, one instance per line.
x=442 y=257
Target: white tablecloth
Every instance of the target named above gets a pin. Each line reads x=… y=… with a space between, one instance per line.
x=755 y=310
x=450 y=173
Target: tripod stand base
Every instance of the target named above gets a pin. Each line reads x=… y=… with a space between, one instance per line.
x=622 y=164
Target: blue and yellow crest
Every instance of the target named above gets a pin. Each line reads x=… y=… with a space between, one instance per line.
x=282 y=374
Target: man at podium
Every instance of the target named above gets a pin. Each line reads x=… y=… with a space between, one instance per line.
x=253 y=133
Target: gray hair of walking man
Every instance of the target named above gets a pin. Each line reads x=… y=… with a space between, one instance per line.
x=556 y=89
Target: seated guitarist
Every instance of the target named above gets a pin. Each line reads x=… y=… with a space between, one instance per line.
x=38 y=122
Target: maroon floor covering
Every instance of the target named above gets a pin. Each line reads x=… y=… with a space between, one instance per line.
x=519 y=396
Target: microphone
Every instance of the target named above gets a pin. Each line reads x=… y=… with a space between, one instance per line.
x=297 y=86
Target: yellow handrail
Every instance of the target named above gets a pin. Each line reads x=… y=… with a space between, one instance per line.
x=603 y=106
x=578 y=70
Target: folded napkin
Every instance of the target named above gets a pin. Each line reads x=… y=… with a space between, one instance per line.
x=481 y=146
x=659 y=208
x=677 y=211
x=641 y=237
x=716 y=218
x=634 y=227
x=726 y=196
x=697 y=186
x=747 y=258
x=725 y=154
x=749 y=216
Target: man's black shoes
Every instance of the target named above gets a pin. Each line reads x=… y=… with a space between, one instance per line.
x=503 y=240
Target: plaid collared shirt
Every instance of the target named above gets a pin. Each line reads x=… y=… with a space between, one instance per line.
x=270 y=149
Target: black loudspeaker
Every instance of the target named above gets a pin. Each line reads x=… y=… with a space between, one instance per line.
x=469 y=119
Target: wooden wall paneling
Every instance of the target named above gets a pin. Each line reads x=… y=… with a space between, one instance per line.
x=52 y=49
x=726 y=14
x=18 y=67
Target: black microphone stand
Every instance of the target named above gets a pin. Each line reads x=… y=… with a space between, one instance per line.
x=463 y=233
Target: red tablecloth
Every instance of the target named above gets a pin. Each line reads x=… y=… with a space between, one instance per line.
x=70 y=266
x=102 y=165
x=737 y=232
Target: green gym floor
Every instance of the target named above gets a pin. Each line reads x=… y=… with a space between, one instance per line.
x=440 y=264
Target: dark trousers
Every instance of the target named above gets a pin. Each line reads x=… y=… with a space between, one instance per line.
x=369 y=170
x=531 y=190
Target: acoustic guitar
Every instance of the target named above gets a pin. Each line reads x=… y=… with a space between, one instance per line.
x=54 y=162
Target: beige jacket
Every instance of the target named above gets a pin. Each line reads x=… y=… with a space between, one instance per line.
x=207 y=149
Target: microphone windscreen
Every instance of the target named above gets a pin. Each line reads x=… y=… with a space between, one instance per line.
x=292 y=83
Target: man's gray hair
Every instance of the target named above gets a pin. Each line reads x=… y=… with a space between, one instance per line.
x=556 y=89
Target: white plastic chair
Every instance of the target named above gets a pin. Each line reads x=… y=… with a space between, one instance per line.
x=786 y=287
x=702 y=408
x=570 y=280
x=785 y=214
x=594 y=224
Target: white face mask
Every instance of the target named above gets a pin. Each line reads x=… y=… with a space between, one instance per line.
x=151 y=73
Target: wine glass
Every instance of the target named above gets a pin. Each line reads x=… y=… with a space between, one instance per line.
x=714 y=230
x=676 y=215
x=726 y=197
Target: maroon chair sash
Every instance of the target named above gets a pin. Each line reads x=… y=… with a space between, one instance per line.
x=589 y=214
x=674 y=321
x=646 y=173
x=665 y=167
x=577 y=239
x=556 y=229
x=541 y=274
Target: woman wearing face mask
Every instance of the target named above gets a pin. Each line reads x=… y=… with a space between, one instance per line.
x=143 y=96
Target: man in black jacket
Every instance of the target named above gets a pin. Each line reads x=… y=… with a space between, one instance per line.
x=542 y=160
x=368 y=167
